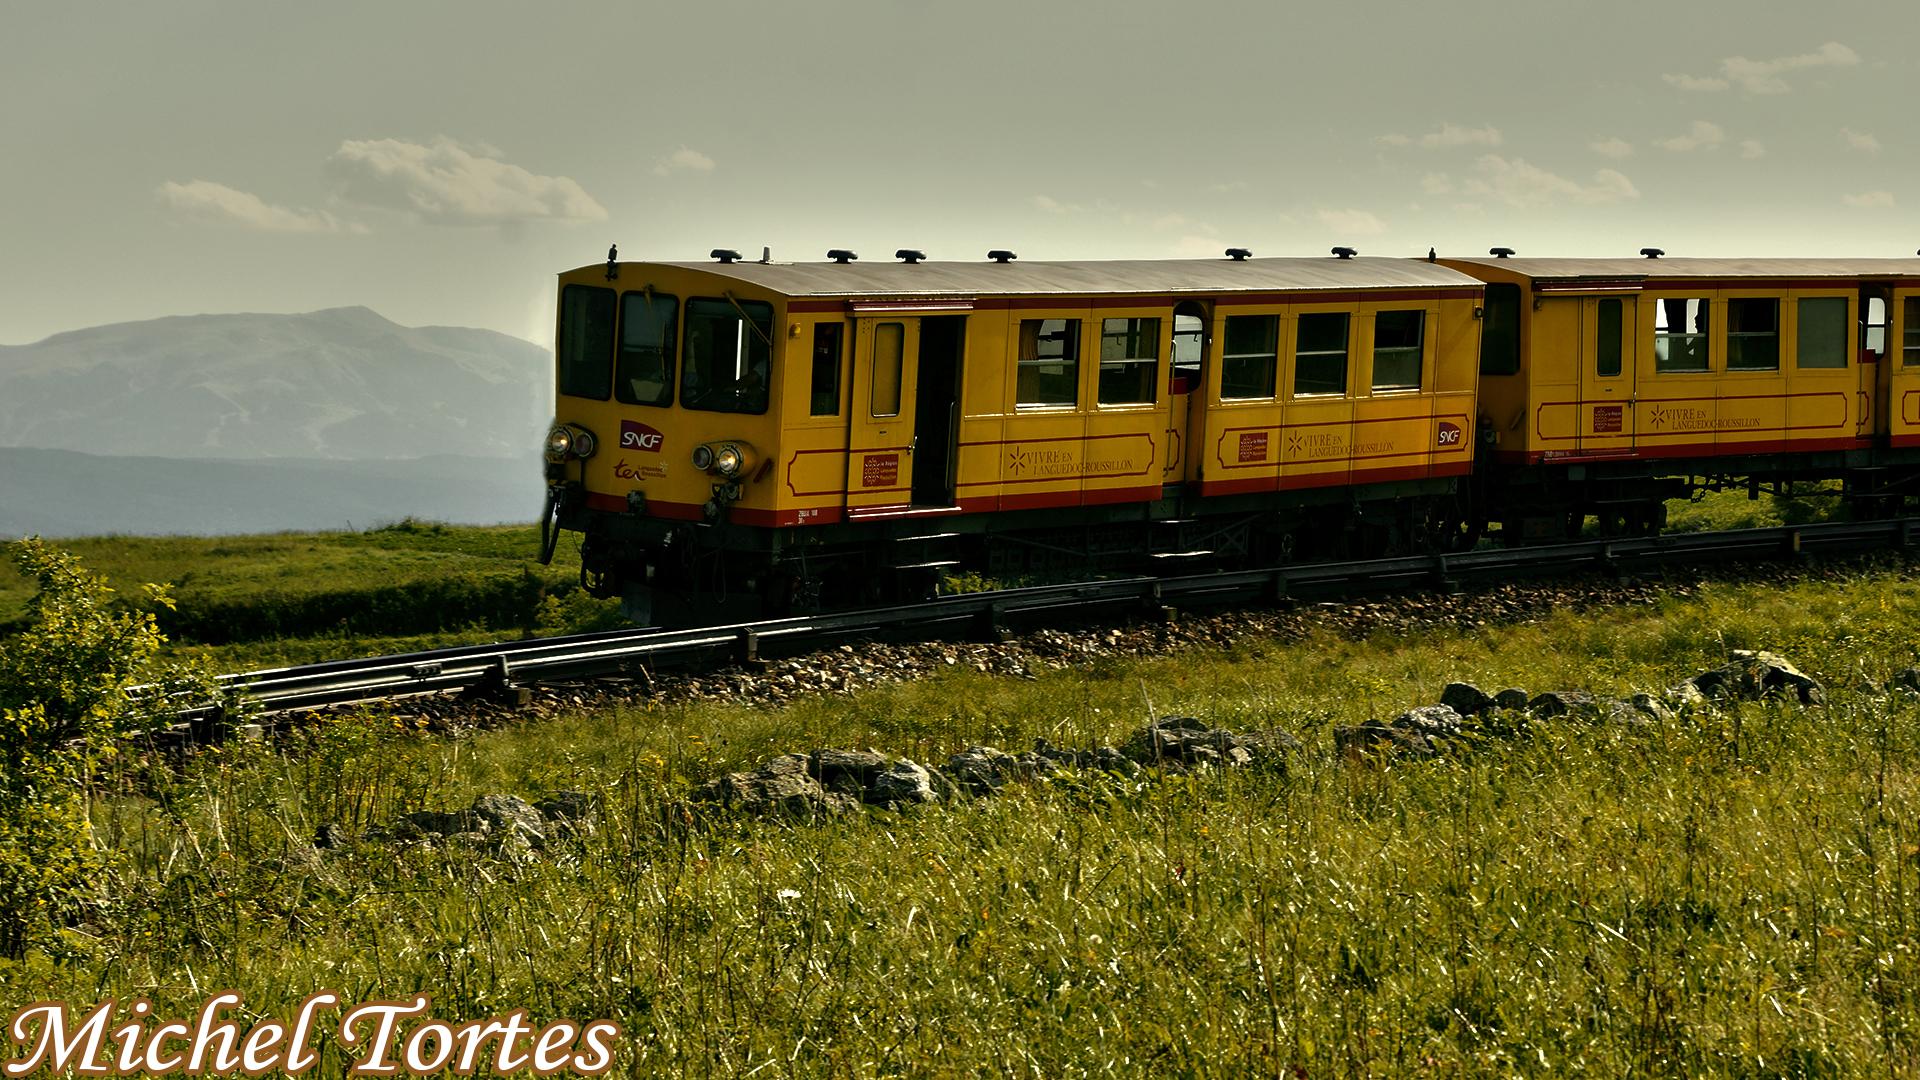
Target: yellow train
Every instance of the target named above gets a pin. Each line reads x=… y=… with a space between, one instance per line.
x=739 y=438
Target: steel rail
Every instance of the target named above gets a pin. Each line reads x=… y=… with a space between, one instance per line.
x=641 y=652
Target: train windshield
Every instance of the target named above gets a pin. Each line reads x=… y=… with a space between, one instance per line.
x=727 y=361
x=585 y=348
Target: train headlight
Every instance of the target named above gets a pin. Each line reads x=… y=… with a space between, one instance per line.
x=559 y=443
x=732 y=459
x=584 y=443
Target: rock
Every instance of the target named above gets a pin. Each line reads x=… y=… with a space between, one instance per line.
x=1686 y=695
x=983 y=770
x=329 y=836
x=1465 y=698
x=1905 y=679
x=1422 y=732
x=508 y=815
x=1653 y=707
x=1429 y=720
x=1755 y=674
x=1563 y=703
x=859 y=765
x=784 y=785
x=903 y=784
x=1512 y=698
x=1050 y=758
x=1183 y=740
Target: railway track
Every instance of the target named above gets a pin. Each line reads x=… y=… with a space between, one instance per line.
x=506 y=667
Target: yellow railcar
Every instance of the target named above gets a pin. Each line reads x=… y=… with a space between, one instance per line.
x=1609 y=386
x=736 y=437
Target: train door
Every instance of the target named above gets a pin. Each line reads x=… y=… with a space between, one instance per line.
x=1605 y=423
x=1186 y=393
x=1877 y=375
x=936 y=408
x=880 y=427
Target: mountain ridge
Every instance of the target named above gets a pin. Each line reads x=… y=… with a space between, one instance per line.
x=340 y=383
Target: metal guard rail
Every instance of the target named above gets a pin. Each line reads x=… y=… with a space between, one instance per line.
x=616 y=652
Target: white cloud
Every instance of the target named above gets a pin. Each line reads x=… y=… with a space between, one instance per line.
x=1697 y=84
x=1752 y=148
x=1518 y=183
x=206 y=201
x=1860 y=140
x=447 y=183
x=1702 y=135
x=1612 y=146
x=684 y=159
x=1054 y=206
x=1437 y=184
x=1763 y=76
x=1449 y=135
x=1170 y=221
x=1352 y=222
x=1869 y=200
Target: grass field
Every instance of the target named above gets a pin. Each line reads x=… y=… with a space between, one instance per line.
x=255 y=601
x=248 y=602
x=1732 y=894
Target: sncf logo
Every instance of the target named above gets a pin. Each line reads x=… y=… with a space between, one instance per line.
x=1449 y=433
x=635 y=435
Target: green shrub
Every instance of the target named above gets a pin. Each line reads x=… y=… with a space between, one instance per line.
x=65 y=710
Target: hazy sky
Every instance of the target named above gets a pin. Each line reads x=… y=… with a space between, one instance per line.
x=440 y=162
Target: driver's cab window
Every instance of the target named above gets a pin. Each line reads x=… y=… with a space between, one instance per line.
x=728 y=355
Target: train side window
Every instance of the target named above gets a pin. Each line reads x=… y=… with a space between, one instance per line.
x=1049 y=372
x=1251 y=356
x=825 y=390
x=1398 y=337
x=1753 y=334
x=643 y=372
x=1189 y=345
x=1129 y=358
x=727 y=360
x=1910 y=351
x=1873 y=330
x=889 y=353
x=1680 y=334
x=1822 y=338
x=1500 y=331
x=1320 y=354
x=585 y=347
x=1606 y=363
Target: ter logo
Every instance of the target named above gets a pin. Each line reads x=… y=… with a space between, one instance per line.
x=635 y=435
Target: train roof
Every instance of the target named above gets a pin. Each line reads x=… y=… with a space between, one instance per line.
x=1643 y=268
x=1154 y=276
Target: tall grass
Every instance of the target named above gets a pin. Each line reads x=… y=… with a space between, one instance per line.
x=1730 y=894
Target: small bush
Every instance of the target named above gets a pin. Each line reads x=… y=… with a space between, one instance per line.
x=65 y=708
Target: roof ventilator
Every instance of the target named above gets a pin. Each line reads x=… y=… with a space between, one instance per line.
x=725 y=255
x=841 y=256
x=909 y=256
x=1345 y=252
x=1001 y=255
x=1652 y=253
x=1239 y=254
x=1500 y=253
